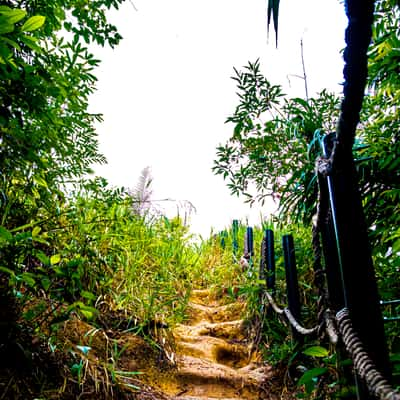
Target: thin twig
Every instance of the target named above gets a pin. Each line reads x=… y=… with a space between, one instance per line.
x=133 y=5
x=304 y=68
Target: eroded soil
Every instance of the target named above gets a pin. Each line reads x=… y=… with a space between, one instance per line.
x=214 y=360
x=207 y=358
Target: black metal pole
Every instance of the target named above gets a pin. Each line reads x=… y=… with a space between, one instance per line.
x=270 y=259
x=292 y=285
x=249 y=244
x=334 y=281
x=354 y=257
x=235 y=229
x=263 y=260
x=223 y=235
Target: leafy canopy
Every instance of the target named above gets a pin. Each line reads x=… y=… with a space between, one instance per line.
x=275 y=142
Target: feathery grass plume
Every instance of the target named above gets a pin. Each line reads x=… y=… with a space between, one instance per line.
x=142 y=193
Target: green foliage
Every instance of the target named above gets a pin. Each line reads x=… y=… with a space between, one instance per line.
x=99 y=251
x=47 y=134
x=274 y=144
x=275 y=140
x=47 y=139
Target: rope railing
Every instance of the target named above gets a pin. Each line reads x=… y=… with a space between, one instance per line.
x=377 y=384
x=337 y=327
x=366 y=369
x=290 y=318
x=340 y=226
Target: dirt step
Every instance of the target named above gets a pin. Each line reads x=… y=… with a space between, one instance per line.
x=205 y=398
x=225 y=330
x=213 y=359
x=214 y=349
x=217 y=392
x=198 y=370
x=200 y=313
x=204 y=297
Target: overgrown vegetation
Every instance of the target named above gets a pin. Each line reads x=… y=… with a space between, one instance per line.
x=88 y=275
x=273 y=149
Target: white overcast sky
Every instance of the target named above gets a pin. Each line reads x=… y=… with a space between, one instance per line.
x=166 y=91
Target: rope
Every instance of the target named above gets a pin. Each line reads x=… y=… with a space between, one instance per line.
x=299 y=328
x=290 y=318
x=330 y=326
x=377 y=384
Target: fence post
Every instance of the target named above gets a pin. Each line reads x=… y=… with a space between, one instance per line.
x=263 y=260
x=270 y=259
x=248 y=243
x=354 y=256
x=235 y=229
x=331 y=259
x=223 y=235
x=292 y=286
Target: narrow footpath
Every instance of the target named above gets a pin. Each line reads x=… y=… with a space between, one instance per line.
x=213 y=359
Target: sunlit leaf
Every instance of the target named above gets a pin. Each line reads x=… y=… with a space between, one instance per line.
x=36 y=230
x=55 y=259
x=40 y=181
x=316 y=351
x=33 y=23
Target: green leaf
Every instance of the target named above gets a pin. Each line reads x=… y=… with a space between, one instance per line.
x=396 y=246
x=130 y=385
x=40 y=181
x=12 y=16
x=31 y=43
x=5 y=26
x=88 y=295
x=310 y=374
x=5 y=234
x=87 y=314
x=55 y=259
x=316 y=351
x=36 y=230
x=27 y=278
x=33 y=23
x=43 y=258
x=77 y=368
x=11 y=43
x=46 y=283
x=7 y=270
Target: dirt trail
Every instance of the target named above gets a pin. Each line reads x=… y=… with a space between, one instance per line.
x=213 y=360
